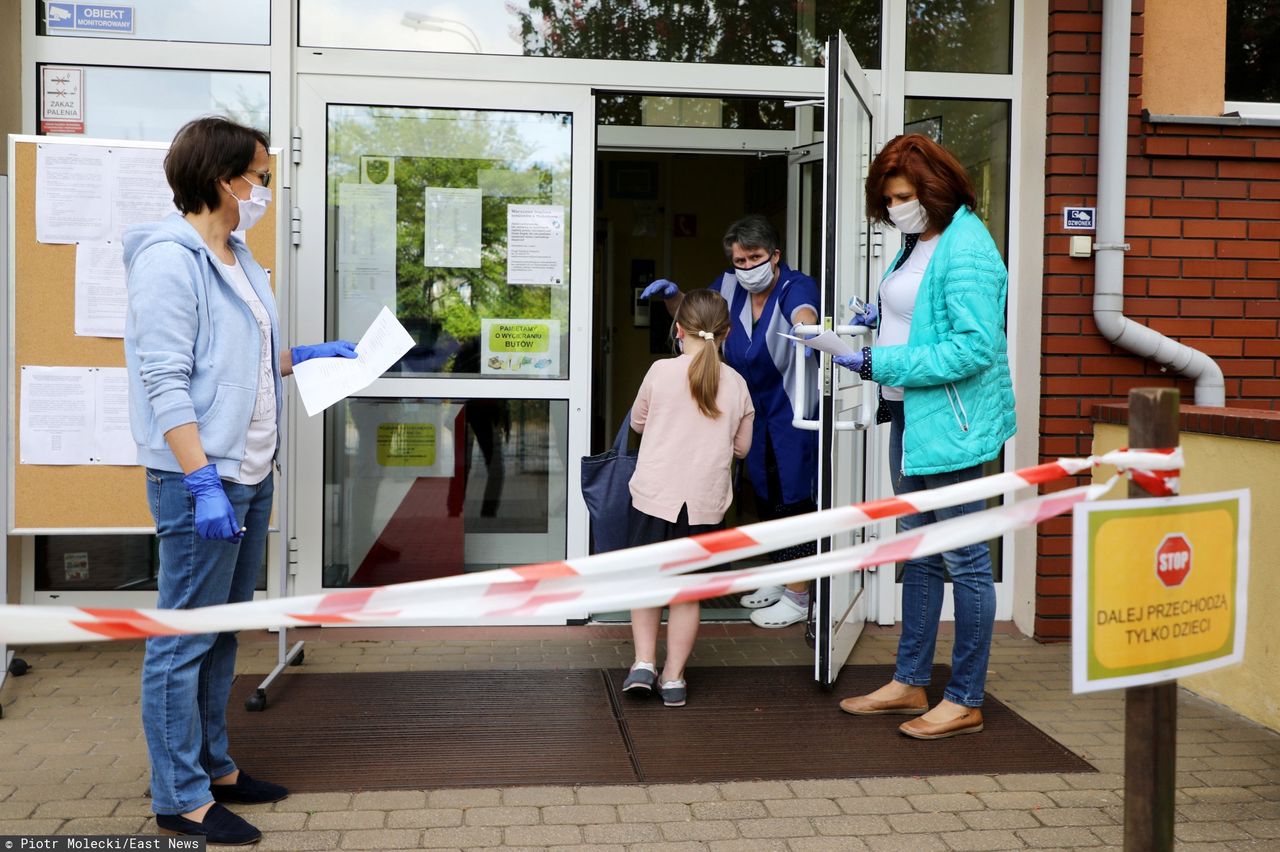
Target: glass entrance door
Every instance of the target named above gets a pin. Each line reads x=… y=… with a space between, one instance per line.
x=842 y=604
x=464 y=209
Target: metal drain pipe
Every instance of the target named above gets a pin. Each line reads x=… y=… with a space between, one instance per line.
x=1108 y=285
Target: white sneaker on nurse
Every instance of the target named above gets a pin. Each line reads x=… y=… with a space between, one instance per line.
x=764 y=596
x=782 y=614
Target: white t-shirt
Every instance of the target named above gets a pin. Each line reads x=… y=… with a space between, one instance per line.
x=898 y=302
x=260 y=446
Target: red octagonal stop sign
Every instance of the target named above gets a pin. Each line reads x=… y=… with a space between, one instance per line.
x=1173 y=559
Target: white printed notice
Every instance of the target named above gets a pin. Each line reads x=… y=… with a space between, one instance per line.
x=73 y=193
x=324 y=381
x=452 y=227
x=366 y=253
x=75 y=415
x=86 y=193
x=140 y=191
x=101 y=298
x=519 y=347
x=535 y=244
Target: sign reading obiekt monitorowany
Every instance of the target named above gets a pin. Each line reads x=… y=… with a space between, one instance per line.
x=1158 y=589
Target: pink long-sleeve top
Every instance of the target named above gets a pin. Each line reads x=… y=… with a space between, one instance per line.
x=685 y=456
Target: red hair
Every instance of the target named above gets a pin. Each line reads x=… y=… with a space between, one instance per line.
x=941 y=183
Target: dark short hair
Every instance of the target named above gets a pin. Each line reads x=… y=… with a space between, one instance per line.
x=754 y=231
x=941 y=183
x=205 y=151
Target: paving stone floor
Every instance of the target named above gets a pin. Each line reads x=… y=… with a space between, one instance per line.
x=72 y=761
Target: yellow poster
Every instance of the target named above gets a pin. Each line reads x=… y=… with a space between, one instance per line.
x=1158 y=588
x=406 y=444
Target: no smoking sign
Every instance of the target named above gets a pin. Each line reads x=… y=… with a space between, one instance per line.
x=1173 y=560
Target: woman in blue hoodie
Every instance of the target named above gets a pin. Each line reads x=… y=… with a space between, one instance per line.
x=942 y=363
x=202 y=344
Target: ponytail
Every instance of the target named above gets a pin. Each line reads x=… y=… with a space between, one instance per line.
x=704 y=313
x=704 y=377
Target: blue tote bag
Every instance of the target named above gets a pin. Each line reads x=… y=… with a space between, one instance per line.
x=606 y=479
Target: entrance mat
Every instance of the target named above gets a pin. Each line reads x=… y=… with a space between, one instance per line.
x=418 y=730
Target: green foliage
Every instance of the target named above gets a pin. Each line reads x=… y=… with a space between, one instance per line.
x=443 y=306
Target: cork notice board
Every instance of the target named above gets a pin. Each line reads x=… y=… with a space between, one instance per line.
x=68 y=498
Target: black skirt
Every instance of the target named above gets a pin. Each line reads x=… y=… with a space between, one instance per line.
x=646 y=529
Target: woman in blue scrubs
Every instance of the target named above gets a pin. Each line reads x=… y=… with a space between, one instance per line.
x=765 y=297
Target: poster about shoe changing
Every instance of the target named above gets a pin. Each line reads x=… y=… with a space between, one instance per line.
x=519 y=347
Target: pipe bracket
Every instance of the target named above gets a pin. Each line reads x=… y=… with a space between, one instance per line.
x=1110 y=246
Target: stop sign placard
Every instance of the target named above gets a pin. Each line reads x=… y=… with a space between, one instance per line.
x=1173 y=559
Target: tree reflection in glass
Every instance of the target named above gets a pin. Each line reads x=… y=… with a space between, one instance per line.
x=509 y=158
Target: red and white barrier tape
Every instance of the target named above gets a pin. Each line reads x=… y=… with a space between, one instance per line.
x=642 y=576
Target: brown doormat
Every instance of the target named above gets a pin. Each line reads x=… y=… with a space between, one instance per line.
x=418 y=730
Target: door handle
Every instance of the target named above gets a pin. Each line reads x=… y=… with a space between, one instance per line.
x=801 y=390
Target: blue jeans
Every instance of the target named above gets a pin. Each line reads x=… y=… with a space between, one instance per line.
x=186 y=679
x=924 y=583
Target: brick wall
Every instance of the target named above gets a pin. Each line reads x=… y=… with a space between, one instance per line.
x=1203 y=222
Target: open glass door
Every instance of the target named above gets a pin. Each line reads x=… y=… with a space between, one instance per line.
x=463 y=208
x=848 y=404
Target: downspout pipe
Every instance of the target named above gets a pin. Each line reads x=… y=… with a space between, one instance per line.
x=1108 y=286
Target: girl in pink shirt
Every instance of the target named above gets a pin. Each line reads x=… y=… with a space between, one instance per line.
x=696 y=415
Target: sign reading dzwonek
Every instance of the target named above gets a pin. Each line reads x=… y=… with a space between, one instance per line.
x=1158 y=588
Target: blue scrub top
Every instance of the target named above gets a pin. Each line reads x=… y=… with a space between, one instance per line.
x=768 y=362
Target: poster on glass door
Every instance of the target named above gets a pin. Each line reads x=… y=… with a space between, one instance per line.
x=535 y=244
x=519 y=347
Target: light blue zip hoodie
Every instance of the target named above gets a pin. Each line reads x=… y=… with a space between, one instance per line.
x=192 y=344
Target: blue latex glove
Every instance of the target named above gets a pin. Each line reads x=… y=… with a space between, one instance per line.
x=215 y=519
x=849 y=362
x=660 y=289
x=868 y=317
x=328 y=349
x=864 y=313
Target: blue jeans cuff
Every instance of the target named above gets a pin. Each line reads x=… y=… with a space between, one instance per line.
x=911 y=681
x=964 y=702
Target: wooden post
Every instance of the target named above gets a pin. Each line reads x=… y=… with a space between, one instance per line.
x=1150 y=712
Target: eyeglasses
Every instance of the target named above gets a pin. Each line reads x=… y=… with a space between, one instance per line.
x=265 y=177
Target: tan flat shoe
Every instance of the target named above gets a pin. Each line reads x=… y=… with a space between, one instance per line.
x=912 y=704
x=967 y=723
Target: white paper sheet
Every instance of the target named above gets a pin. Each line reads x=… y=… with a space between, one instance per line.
x=139 y=190
x=828 y=341
x=101 y=298
x=366 y=253
x=73 y=193
x=452 y=227
x=114 y=440
x=323 y=381
x=75 y=415
x=535 y=244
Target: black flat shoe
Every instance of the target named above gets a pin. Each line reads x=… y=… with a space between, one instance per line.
x=248 y=791
x=219 y=826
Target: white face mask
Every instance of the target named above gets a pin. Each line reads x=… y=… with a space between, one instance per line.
x=756 y=279
x=253 y=208
x=909 y=217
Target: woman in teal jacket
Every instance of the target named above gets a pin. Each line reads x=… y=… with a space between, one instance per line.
x=942 y=364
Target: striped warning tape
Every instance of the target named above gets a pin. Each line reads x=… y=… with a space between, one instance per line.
x=642 y=576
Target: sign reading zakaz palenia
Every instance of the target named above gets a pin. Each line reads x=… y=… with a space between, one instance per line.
x=88 y=17
x=1158 y=588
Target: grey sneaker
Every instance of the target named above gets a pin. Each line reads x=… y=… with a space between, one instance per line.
x=640 y=680
x=674 y=693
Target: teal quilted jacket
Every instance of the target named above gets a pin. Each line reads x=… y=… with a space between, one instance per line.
x=954 y=367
